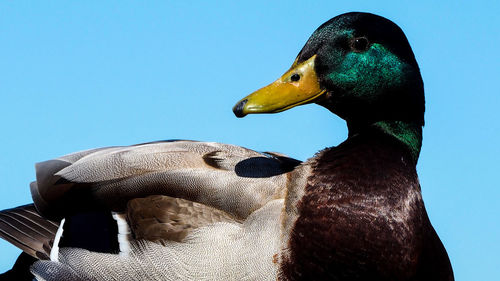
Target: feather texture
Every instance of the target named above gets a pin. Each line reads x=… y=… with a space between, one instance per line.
x=27 y=229
x=231 y=178
x=162 y=218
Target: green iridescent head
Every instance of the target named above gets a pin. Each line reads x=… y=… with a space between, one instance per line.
x=358 y=65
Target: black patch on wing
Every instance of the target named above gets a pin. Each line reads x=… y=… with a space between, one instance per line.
x=95 y=231
x=258 y=167
x=287 y=164
x=267 y=165
x=263 y=167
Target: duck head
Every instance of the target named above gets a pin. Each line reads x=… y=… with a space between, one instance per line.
x=360 y=66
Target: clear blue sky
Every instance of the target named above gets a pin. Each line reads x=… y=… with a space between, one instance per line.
x=75 y=76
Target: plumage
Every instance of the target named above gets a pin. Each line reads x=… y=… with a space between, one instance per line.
x=231 y=178
x=25 y=228
x=357 y=223
x=163 y=218
x=186 y=210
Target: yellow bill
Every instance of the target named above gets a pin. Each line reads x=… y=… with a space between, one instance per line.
x=297 y=86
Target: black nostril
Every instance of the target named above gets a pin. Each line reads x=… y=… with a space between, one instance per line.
x=238 y=108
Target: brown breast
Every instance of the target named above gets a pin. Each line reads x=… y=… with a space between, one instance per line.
x=361 y=216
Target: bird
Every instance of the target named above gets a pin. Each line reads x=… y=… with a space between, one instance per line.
x=189 y=210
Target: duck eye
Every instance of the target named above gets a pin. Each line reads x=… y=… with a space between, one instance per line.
x=360 y=44
x=295 y=77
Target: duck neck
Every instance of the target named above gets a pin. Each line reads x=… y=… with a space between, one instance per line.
x=409 y=134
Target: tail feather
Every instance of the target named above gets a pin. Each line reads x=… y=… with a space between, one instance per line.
x=28 y=230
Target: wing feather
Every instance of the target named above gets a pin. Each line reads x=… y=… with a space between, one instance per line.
x=162 y=218
x=28 y=230
x=231 y=178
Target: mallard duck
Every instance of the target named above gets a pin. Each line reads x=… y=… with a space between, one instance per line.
x=186 y=210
